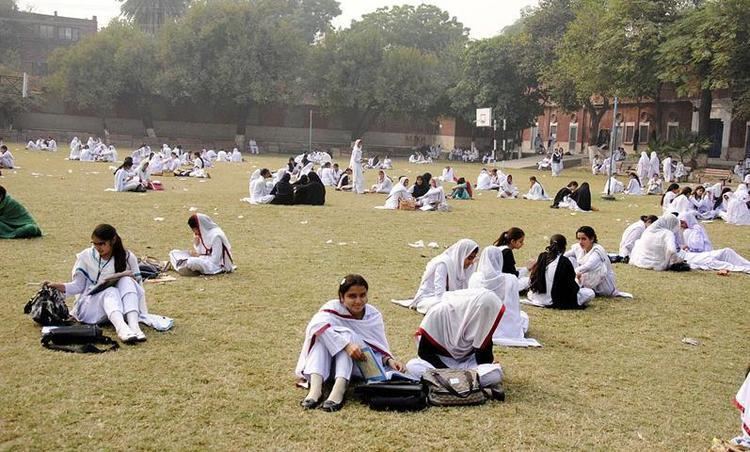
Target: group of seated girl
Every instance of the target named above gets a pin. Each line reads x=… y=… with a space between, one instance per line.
x=308 y=189
x=574 y=197
x=426 y=197
x=457 y=334
x=673 y=240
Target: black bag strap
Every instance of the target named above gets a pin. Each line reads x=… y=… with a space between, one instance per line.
x=85 y=347
x=448 y=387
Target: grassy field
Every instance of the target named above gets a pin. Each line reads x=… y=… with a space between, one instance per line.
x=615 y=376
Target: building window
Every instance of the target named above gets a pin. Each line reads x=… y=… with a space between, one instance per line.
x=65 y=33
x=47 y=31
x=643 y=133
x=672 y=128
x=75 y=34
x=553 y=131
x=629 y=133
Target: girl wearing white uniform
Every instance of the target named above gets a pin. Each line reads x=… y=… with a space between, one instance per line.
x=335 y=337
x=703 y=202
x=654 y=185
x=156 y=165
x=634 y=185
x=384 y=184
x=199 y=166
x=633 y=233
x=355 y=163
x=447 y=175
x=557 y=162
x=124 y=301
x=509 y=241
x=682 y=203
x=654 y=167
x=515 y=323
x=657 y=247
x=108 y=154
x=614 y=185
x=737 y=210
x=536 y=191
x=699 y=253
x=644 y=164
x=398 y=192
x=667 y=169
x=457 y=334
x=211 y=253
x=666 y=199
x=75 y=149
x=553 y=279
x=260 y=189
x=6 y=158
x=434 y=199
x=236 y=156
x=446 y=272
x=507 y=190
x=125 y=180
x=484 y=180
x=592 y=265
x=86 y=154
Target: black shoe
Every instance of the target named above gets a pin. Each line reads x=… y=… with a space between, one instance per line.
x=309 y=404
x=498 y=393
x=330 y=406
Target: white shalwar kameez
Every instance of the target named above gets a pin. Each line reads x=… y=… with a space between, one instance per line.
x=737 y=210
x=126 y=181
x=443 y=273
x=644 y=165
x=328 y=177
x=75 y=149
x=7 y=160
x=584 y=296
x=633 y=188
x=595 y=269
x=742 y=402
x=447 y=175
x=236 y=156
x=222 y=156
x=654 y=167
x=463 y=323
x=515 y=323
x=398 y=192
x=629 y=236
x=260 y=190
x=355 y=163
x=536 y=193
x=614 y=185
x=127 y=296
x=483 y=181
x=213 y=249
x=657 y=247
x=434 y=199
x=507 y=190
x=700 y=254
x=667 y=169
x=666 y=202
x=557 y=167
x=330 y=330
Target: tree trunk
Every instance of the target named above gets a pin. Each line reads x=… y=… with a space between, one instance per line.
x=659 y=110
x=596 y=118
x=148 y=120
x=704 y=113
x=243 y=111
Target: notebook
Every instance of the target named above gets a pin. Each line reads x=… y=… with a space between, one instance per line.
x=371 y=368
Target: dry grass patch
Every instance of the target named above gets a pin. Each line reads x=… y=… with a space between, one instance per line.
x=615 y=376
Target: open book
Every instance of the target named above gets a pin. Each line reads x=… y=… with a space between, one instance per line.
x=109 y=281
x=371 y=367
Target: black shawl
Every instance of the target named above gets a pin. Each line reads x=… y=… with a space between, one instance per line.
x=282 y=191
x=312 y=193
x=582 y=197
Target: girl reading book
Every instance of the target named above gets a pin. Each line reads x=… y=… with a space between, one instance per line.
x=107 y=281
x=343 y=331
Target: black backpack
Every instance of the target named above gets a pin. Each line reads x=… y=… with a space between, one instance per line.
x=77 y=339
x=393 y=395
x=48 y=307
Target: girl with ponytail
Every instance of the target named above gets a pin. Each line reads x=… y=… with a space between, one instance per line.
x=124 y=179
x=553 y=279
x=510 y=240
x=107 y=282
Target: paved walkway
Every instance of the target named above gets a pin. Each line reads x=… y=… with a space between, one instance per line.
x=530 y=162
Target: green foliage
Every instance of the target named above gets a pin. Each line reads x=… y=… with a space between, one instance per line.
x=151 y=15
x=494 y=76
x=395 y=60
x=10 y=38
x=314 y=17
x=684 y=144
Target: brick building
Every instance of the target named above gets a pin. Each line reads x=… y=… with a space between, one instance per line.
x=637 y=125
x=42 y=33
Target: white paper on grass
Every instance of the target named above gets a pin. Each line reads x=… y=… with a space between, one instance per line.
x=433 y=245
x=193 y=209
x=417 y=244
x=158 y=219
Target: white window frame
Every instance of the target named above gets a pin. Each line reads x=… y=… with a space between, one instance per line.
x=625 y=138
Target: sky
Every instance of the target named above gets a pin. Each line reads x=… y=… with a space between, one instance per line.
x=485 y=18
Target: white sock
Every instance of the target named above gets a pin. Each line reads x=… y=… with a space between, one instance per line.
x=118 y=322
x=316 y=387
x=132 y=318
x=338 y=391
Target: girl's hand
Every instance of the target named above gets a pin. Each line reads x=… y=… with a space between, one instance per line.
x=395 y=364
x=355 y=352
x=58 y=286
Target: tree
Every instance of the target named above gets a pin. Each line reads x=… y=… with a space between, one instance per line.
x=392 y=61
x=86 y=74
x=314 y=17
x=583 y=73
x=494 y=76
x=10 y=37
x=234 y=53
x=151 y=15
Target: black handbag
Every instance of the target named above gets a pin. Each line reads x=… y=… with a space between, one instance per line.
x=77 y=339
x=47 y=307
x=393 y=395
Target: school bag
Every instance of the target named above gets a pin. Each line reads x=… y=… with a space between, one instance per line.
x=453 y=387
x=47 y=307
x=77 y=339
x=393 y=395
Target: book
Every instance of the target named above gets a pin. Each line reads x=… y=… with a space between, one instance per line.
x=371 y=368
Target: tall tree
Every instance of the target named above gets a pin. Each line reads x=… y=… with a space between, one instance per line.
x=391 y=61
x=234 y=53
x=151 y=15
x=10 y=36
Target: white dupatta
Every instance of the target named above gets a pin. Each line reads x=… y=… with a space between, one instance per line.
x=209 y=231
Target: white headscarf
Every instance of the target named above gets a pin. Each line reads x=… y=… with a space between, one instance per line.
x=657 y=244
x=453 y=258
x=463 y=322
x=695 y=235
x=399 y=187
x=209 y=231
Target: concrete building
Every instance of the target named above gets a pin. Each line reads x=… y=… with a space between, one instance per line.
x=41 y=34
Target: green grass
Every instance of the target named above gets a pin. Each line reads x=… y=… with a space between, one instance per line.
x=615 y=376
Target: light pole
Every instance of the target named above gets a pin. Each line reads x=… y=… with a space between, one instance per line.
x=309 y=137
